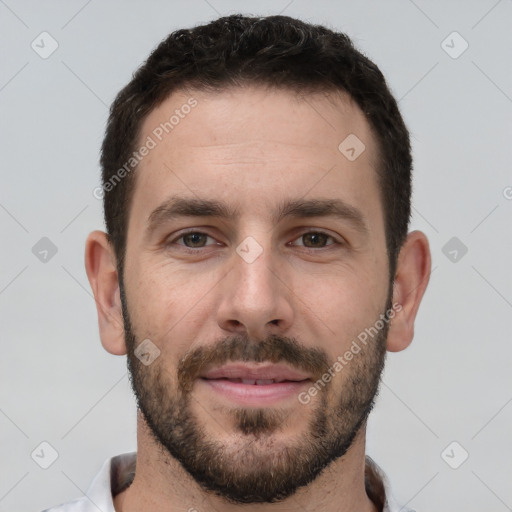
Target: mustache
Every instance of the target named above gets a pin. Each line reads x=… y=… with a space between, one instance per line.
x=239 y=348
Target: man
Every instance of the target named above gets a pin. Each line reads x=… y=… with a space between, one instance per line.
x=257 y=267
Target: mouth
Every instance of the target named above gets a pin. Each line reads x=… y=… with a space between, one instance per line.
x=255 y=382
x=260 y=374
x=256 y=385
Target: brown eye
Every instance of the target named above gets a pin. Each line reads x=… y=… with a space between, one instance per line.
x=194 y=239
x=191 y=240
x=315 y=240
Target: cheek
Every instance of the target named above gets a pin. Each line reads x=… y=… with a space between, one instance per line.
x=169 y=305
x=341 y=303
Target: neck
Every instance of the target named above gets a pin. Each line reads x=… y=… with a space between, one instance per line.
x=161 y=484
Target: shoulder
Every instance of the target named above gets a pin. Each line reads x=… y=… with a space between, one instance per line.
x=379 y=489
x=79 y=505
x=115 y=474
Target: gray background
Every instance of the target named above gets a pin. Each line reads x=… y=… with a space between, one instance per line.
x=452 y=384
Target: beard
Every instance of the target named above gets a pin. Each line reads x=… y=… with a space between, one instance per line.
x=254 y=461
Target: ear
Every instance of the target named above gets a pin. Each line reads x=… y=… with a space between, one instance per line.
x=411 y=280
x=100 y=265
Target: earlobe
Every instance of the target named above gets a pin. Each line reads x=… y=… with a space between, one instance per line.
x=411 y=280
x=103 y=278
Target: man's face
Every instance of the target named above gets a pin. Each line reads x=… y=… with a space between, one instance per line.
x=259 y=291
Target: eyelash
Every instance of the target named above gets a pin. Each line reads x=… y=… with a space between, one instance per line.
x=307 y=249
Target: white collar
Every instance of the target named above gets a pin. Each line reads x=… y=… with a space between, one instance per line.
x=117 y=473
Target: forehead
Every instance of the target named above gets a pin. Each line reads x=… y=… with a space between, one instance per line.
x=252 y=148
x=277 y=115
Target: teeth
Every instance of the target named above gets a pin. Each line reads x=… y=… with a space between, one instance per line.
x=258 y=382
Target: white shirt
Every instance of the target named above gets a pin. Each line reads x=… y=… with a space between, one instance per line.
x=116 y=474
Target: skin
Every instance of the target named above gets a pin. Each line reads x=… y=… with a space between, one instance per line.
x=252 y=149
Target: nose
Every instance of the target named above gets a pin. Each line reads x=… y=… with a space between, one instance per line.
x=256 y=296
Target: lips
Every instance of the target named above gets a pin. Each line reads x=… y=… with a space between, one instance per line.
x=259 y=375
x=254 y=385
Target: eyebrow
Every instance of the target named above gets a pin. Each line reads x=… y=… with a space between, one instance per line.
x=176 y=207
